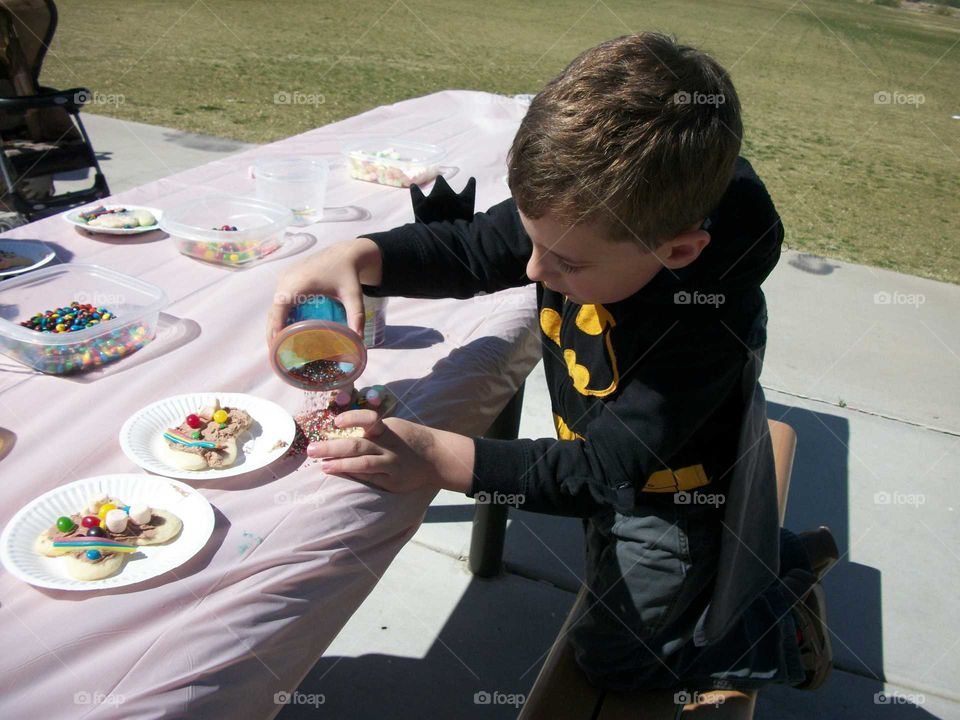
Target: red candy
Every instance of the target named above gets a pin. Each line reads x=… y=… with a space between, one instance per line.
x=194 y=421
x=90 y=521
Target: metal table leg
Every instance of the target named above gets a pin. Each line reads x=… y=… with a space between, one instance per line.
x=490 y=520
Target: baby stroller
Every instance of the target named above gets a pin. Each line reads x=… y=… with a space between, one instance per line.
x=41 y=133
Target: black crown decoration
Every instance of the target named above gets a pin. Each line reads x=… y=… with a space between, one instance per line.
x=443 y=204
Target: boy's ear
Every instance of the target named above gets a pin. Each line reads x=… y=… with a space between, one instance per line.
x=683 y=249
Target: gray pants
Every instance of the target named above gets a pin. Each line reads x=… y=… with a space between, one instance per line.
x=650 y=576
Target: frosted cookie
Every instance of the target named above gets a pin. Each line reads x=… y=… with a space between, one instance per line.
x=96 y=542
x=207 y=439
x=318 y=424
x=10 y=260
x=117 y=218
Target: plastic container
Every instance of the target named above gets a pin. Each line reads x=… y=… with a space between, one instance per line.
x=296 y=183
x=316 y=350
x=136 y=304
x=260 y=229
x=374 y=320
x=399 y=163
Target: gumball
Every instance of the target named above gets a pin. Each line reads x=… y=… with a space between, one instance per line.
x=65 y=524
x=105 y=508
x=343 y=398
x=93 y=555
x=96 y=532
x=374 y=398
x=220 y=416
x=194 y=421
x=90 y=521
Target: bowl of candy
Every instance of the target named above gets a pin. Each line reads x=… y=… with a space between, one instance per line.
x=227 y=230
x=72 y=318
x=399 y=163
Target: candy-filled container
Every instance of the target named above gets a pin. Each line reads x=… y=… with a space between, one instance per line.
x=316 y=350
x=400 y=163
x=72 y=318
x=227 y=230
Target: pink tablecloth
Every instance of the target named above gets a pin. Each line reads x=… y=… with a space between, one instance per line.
x=294 y=551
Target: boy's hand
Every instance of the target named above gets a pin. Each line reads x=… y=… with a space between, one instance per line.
x=337 y=272
x=397 y=455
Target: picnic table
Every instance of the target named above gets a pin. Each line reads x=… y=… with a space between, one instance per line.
x=294 y=552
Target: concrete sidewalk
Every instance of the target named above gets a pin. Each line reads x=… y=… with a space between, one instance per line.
x=862 y=362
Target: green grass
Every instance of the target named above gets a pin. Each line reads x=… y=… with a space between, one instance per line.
x=855 y=180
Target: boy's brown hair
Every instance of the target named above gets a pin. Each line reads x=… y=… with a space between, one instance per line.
x=639 y=133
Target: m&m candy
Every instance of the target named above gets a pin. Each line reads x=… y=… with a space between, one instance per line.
x=93 y=555
x=70 y=318
x=65 y=524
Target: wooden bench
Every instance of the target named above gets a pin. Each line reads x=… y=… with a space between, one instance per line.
x=561 y=690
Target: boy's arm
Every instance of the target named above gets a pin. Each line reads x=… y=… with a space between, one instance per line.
x=658 y=409
x=455 y=259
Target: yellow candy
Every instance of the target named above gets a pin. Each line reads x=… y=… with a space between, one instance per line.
x=105 y=508
x=220 y=416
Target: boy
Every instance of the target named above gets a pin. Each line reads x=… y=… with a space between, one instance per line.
x=648 y=238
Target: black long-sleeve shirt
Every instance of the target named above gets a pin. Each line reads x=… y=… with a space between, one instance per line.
x=647 y=393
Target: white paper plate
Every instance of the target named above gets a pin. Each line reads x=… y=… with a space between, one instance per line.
x=273 y=431
x=16 y=542
x=73 y=217
x=37 y=251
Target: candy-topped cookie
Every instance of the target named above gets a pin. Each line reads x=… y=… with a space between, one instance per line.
x=96 y=542
x=319 y=424
x=117 y=218
x=10 y=260
x=206 y=439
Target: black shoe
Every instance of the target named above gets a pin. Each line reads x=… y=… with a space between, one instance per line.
x=821 y=549
x=809 y=615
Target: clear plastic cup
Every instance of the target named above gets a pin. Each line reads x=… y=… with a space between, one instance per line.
x=296 y=183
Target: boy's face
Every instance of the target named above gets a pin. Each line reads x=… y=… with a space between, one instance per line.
x=581 y=263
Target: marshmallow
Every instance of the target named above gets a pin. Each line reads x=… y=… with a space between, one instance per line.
x=96 y=502
x=140 y=513
x=116 y=521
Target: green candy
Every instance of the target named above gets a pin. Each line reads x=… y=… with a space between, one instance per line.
x=65 y=524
